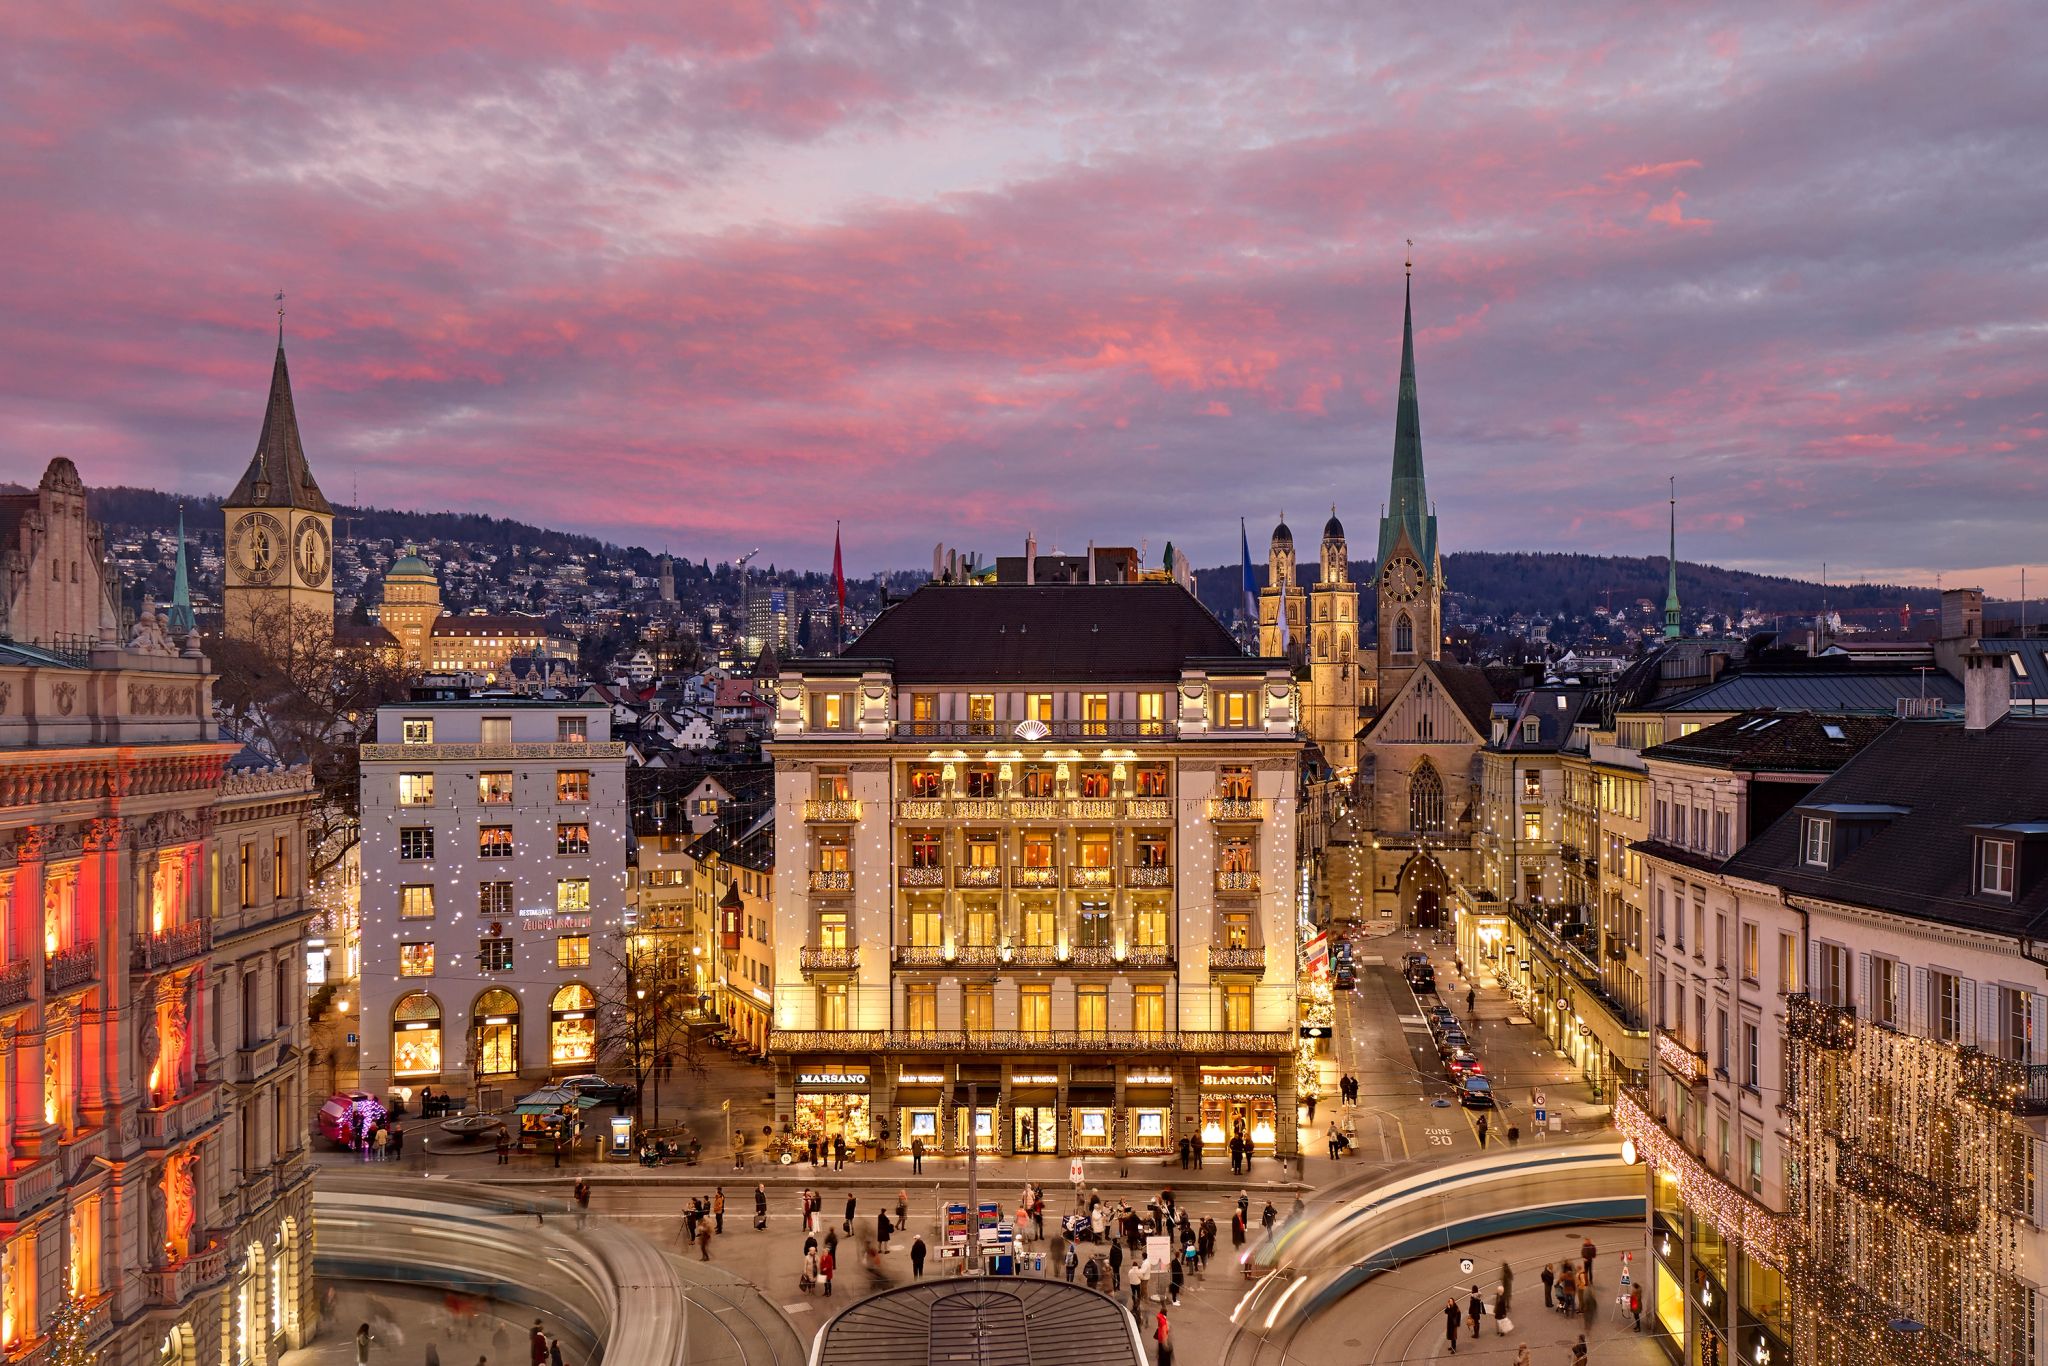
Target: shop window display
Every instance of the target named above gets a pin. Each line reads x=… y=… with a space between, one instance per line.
x=572 y=1027
x=497 y=1032
x=416 y=1037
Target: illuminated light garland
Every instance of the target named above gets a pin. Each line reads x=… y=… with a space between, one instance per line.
x=1738 y=1218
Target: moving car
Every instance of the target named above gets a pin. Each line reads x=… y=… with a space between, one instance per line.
x=1421 y=976
x=1476 y=1093
x=1464 y=1063
x=591 y=1086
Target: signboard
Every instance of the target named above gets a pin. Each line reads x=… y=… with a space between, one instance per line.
x=1317 y=1032
x=909 y=1078
x=1627 y=1261
x=956 y=1223
x=1465 y=1265
x=991 y=1215
x=1315 y=955
x=352 y=1038
x=1034 y=1079
x=1075 y=1173
x=1233 y=1078
x=846 y=1078
x=1158 y=1255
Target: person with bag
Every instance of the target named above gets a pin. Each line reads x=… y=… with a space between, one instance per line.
x=808 y=1277
x=1502 y=1324
x=825 y=1271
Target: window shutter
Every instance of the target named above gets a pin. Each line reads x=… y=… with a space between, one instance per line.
x=2037 y=1022
x=1920 y=1006
x=1967 y=989
x=1865 y=998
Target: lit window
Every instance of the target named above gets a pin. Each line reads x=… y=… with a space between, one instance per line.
x=415 y=960
x=981 y=713
x=1034 y=1009
x=572 y=951
x=495 y=730
x=1994 y=867
x=1236 y=709
x=1148 y=1009
x=1532 y=825
x=572 y=895
x=1151 y=713
x=418 y=731
x=494 y=841
x=494 y=789
x=1095 y=713
x=416 y=901
x=416 y=842
x=1038 y=707
x=1819 y=843
x=572 y=839
x=572 y=730
x=572 y=785
x=415 y=789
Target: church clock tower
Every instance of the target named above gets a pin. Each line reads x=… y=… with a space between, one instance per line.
x=1408 y=579
x=280 y=530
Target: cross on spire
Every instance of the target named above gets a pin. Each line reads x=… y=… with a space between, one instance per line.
x=280 y=317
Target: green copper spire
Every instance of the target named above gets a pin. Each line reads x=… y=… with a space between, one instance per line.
x=1408 y=498
x=1671 y=592
x=179 y=618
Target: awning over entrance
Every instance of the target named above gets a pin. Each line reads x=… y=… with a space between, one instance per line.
x=1148 y=1095
x=917 y=1095
x=1091 y=1095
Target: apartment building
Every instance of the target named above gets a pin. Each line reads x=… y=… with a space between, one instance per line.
x=494 y=873
x=154 y=1188
x=1037 y=841
x=732 y=887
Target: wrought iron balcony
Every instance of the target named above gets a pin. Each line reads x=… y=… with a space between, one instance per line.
x=1091 y=877
x=1034 y=877
x=921 y=877
x=14 y=981
x=1237 y=960
x=1148 y=875
x=1007 y=730
x=173 y=947
x=1149 y=809
x=1688 y=1066
x=1210 y=1043
x=1239 y=883
x=815 y=960
x=1945 y=1206
x=831 y=880
x=839 y=809
x=975 y=809
x=921 y=809
x=1092 y=809
x=69 y=969
x=2001 y=1084
x=1237 y=809
x=1035 y=808
x=972 y=876
x=920 y=956
x=1819 y=1025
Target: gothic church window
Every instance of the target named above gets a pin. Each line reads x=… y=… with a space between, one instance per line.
x=1404 y=635
x=1425 y=798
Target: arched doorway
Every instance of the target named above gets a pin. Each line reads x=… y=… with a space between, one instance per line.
x=496 y=1013
x=287 y=1285
x=1425 y=893
x=416 y=1038
x=572 y=1028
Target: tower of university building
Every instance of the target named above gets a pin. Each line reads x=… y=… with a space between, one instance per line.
x=280 y=530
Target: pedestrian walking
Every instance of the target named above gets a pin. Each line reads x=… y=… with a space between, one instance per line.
x=397 y=1142
x=825 y=1271
x=1589 y=1303
x=1522 y=1356
x=807 y=1279
x=1501 y=1326
x=382 y=1142
x=902 y=1207
x=1174 y=1276
x=718 y=1210
x=1635 y=1305
x=537 y=1345
x=1471 y=1000
x=1479 y=1127
x=433 y=1356
x=883 y=1228
x=917 y=1255
x=504 y=1148
x=1452 y=1318
x=1116 y=1264
x=1549 y=1278
x=1161 y=1334
x=760 y=1207
x=1514 y=1134
x=1579 y=1351
x=1183 y=1152
x=1586 y=1251
x=1330 y=1139
x=363 y=1341
x=1136 y=1279
x=1244 y=1208
x=1237 y=1230
x=1093 y=1273
x=1195 y=1146
x=848 y=1225
x=1475 y=1309
x=704 y=1240
x=1266 y=1219
x=1311 y=1107
x=1072 y=1263
x=917 y=1154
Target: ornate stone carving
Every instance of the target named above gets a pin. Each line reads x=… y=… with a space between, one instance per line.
x=151 y=634
x=103 y=834
x=6 y=693
x=65 y=694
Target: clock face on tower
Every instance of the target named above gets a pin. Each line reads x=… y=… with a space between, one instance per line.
x=256 y=549
x=1403 y=579
x=312 y=552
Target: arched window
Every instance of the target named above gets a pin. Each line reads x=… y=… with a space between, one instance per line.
x=1404 y=635
x=572 y=1027
x=1344 y=646
x=496 y=1014
x=416 y=1036
x=1425 y=798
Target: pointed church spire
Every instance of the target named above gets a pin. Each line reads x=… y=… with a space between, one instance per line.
x=179 y=617
x=1671 y=592
x=1408 y=494
x=278 y=475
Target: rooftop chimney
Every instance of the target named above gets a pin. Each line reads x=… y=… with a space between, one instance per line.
x=1987 y=687
x=1962 y=614
x=1030 y=557
x=1091 y=562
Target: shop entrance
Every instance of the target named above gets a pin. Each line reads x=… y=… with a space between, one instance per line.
x=1035 y=1129
x=827 y=1113
x=1225 y=1117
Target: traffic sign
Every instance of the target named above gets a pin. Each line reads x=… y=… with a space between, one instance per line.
x=1465 y=1265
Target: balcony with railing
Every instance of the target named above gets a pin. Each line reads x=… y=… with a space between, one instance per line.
x=165 y=1125
x=170 y=1287
x=1237 y=883
x=1688 y=1066
x=831 y=879
x=172 y=948
x=14 y=982
x=812 y=960
x=832 y=810
x=1997 y=1083
x=1036 y=808
x=259 y=1060
x=1006 y=730
x=1816 y=1024
x=1946 y=1206
x=1148 y=809
x=1091 y=877
x=1211 y=1043
x=1237 y=809
x=1249 y=959
x=978 y=875
x=933 y=875
x=71 y=968
x=1148 y=875
x=1034 y=877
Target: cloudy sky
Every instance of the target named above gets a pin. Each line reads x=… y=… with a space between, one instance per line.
x=711 y=275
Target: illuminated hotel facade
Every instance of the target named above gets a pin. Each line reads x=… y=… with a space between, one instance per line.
x=1037 y=840
x=157 y=1187
x=494 y=872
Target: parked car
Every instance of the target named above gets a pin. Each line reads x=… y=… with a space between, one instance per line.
x=1476 y=1093
x=1464 y=1063
x=1421 y=976
x=591 y=1086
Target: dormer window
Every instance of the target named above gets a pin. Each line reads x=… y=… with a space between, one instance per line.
x=1532 y=730
x=1817 y=842
x=1995 y=862
x=831 y=710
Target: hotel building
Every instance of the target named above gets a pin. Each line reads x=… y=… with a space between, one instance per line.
x=1037 y=839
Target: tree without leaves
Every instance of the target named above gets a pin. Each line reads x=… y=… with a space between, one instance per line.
x=641 y=1020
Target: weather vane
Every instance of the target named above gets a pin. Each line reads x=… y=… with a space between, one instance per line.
x=1409 y=263
x=280 y=317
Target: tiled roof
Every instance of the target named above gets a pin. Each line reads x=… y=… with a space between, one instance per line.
x=1874 y=692
x=1776 y=741
x=1080 y=633
x=1468 y=687
x=1556 y=711
x=1950 y=783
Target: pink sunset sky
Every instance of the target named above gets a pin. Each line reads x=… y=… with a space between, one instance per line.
x=704 y=276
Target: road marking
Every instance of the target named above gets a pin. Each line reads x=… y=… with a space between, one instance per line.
x=1439 y=1138
x=1412 y=1020
x=1373 y=960
x=796 y=1308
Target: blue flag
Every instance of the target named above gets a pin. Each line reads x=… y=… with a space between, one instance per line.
x=1251 y=586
